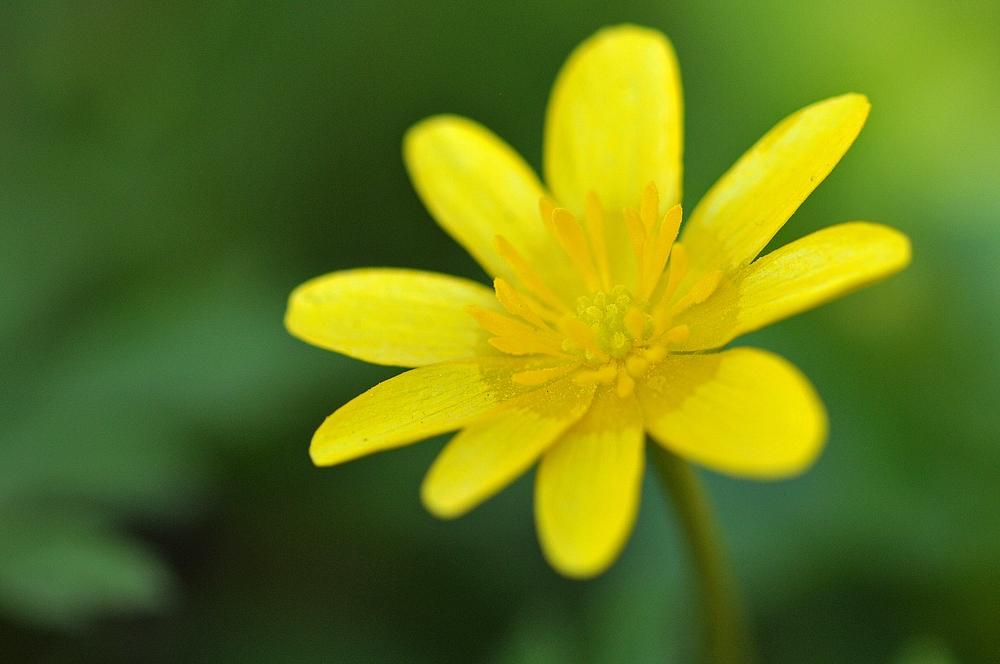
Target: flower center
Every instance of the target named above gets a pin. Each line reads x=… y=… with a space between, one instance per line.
x=617 y=320
x=614 y=335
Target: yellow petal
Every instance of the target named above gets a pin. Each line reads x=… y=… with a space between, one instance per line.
x=746 y=207
x=587 y=487
x=614 y=123
x=402 y=318
x=492 y=452
x=799 y=276
x=477 y=187
x=743 y=412
x=418 y=404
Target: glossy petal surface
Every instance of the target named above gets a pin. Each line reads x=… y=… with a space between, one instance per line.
x=493 y=451
x=746 y=207
x=476 y=187
x=587 y=487
x=743 y=412
x=402 y=318
x=799 y=276
x=418 y=404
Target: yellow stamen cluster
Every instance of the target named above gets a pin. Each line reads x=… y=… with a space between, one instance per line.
x=614 y=335
x=616 y=320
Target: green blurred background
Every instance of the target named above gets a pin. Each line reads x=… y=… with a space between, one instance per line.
x=170 y=171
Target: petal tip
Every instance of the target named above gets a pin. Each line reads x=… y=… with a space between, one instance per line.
x=771 y=425
x=327 y=446
x=813 y=426
x=321 y=454
x=425 y=129
x=904 y=247
x=628 y=32
x=900 y=244
x=858 y=98
x=296 y=311
x=813 y=434
x=578 y=573
x=852 y=102
x=617 y=41
x=794 y=466
x=579 y=568
x=441 y=498
x=437 y=502
x=895 y=246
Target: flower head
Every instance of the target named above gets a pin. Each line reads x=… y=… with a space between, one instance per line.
x=602 y=325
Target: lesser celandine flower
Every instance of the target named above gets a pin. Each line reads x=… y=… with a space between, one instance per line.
x=602 y=325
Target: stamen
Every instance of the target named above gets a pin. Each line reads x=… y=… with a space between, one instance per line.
x=678 y=270
x=540 y=376
x=699 y=293
x=655 y=354
x=583 y=337
x=636 y=233
x=635 y=323
x=670 y=225
x=625 y=384
x=513 y=302
x=515 y=337
x=516 y=344
x=605 y=375
x=527 y=274
x=659 y=251
x=661 y=319
x=676 y=335
x=650 y=208
x=543 y=312
x=570 y=235
x=545 y=209
x=612 y=334
x=500 y=325
x=595 y=230
x=636 y=365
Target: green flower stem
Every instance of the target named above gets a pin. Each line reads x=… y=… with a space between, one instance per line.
x=725 y=630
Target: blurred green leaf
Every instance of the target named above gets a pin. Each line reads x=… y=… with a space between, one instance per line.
x=925 y=650
x=58 y=567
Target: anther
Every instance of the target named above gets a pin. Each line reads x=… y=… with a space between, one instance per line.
x=650 y=208
x=636 y=365
x=699 y=292
x=677 y=334
x=635 y=323
x=655 y=354
x=605 y=375
x=540 y=376
x=626 y=384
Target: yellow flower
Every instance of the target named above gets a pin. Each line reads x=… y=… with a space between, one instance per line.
x=601 y=328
